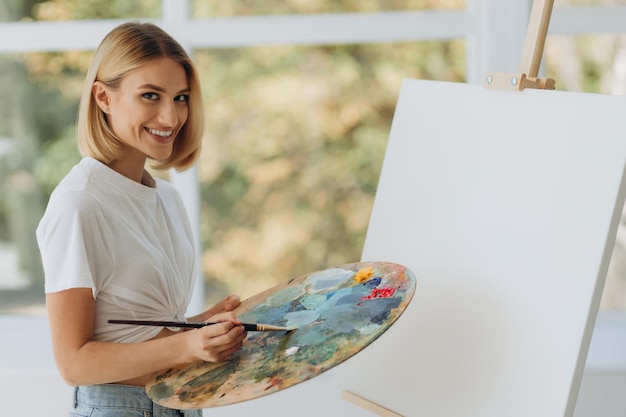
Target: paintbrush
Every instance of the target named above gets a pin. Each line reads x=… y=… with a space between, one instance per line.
x=249 y=327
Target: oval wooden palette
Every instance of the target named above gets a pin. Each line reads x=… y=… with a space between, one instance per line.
x=337 y=312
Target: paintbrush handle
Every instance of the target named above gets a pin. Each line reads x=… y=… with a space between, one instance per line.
x=249 y=327
x=185 y=324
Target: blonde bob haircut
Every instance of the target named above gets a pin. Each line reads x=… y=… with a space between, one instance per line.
x=126 y=48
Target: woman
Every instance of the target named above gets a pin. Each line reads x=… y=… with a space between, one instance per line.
x=116 y=243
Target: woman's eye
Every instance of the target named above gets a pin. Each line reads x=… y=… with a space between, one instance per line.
x=182 y=97
x=151 y=96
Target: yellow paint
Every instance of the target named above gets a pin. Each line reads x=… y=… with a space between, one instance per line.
x=363 y=274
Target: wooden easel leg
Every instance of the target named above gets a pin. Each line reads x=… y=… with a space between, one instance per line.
x=368 y=405
x=536 y=37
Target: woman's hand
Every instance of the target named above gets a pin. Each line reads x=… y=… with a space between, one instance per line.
x=216 y=342
x=227 y=304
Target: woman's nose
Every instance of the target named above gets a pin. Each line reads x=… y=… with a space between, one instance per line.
x=168 y=115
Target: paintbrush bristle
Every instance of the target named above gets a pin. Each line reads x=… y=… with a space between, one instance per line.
x=269 y=328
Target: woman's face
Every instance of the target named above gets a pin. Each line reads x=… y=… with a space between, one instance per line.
x=148 y=109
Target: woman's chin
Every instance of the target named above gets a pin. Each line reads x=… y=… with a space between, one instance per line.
x=161 y=154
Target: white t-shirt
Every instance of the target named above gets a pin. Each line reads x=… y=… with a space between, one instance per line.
x=131 y=244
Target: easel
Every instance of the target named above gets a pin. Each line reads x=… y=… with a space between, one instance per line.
x=531 y=58
x=526 y=78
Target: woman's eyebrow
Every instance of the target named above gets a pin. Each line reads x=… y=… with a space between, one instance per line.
x=162 y=90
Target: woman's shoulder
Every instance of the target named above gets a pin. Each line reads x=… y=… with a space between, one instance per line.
x=76 y=190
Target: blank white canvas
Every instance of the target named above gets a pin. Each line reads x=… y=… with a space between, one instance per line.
x=505 y=205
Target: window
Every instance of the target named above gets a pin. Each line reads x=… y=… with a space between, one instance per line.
x=312 y=167
x=37 y=147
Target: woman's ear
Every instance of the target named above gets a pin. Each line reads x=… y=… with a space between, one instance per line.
x=100 y=93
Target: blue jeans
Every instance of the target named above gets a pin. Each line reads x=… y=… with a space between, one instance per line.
x=120 y=401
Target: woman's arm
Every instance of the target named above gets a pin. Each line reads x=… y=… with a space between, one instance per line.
x=82 y=361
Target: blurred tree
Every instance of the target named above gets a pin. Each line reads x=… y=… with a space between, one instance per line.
x=294 y=144
x=14 y=10
x=20 y=192
x=95 y=9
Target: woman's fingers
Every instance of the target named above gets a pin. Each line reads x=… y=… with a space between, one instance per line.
x=225 y=317
x=231 y=302
x=220 y=340
x=227 y=304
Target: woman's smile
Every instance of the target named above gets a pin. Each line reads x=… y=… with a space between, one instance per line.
x=163 y=136
x=160 y=133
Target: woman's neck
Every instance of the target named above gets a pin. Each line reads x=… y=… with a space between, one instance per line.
x=133 y=170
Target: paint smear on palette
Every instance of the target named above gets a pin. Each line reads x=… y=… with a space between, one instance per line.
x=328 y=279
x=285 y=296
x=297 y=319
x=312 y=301
x=337 y=312
x=363 y=274
x=378 y=293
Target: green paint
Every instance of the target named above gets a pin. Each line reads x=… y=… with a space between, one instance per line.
x=207 y=383
x=161 y=391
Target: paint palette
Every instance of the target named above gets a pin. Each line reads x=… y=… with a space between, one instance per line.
x=337 y=312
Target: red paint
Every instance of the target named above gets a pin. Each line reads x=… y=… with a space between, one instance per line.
x=379 y=293
x=274 y=382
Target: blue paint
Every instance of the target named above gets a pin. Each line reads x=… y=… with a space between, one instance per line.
x=301 y=318
x=328 y=279
x=313 y=301
x=373 y=283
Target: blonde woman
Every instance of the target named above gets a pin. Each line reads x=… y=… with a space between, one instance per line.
x=116 y=242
